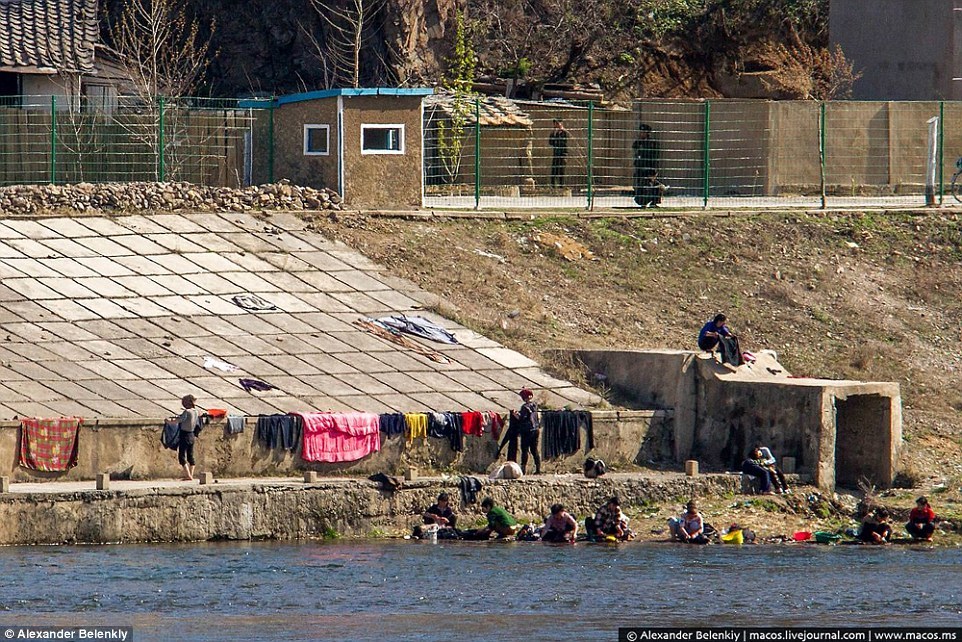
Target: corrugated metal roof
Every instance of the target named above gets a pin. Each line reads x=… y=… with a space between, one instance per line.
x=495 y=111
x=48 y=34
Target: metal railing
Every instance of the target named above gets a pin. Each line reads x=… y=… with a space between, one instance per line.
x=686 y=154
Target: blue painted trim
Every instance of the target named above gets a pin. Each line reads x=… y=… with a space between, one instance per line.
x=376 y=91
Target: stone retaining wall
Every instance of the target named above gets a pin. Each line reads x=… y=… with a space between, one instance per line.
x=130 y=449
x=285 y=511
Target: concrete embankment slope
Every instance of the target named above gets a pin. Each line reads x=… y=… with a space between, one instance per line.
x=57 y=513
x=119 y=317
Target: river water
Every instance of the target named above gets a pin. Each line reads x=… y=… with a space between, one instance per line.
x=399 y=590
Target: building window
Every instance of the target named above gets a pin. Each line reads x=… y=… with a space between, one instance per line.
x=99 y=98
x=382 y=139
x=317 y=139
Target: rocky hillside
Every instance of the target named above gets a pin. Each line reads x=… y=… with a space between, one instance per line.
x=863 y=296
x=630 y=48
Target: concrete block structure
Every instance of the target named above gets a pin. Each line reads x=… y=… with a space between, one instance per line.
x=365 y=143
x=839 y=432
x=922 y=52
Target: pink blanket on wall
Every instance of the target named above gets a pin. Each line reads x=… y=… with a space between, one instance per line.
x=340 y=436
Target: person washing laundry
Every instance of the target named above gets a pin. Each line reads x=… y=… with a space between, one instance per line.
x=716 y=333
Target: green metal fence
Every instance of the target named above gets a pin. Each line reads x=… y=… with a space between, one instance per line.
x=54 y=139
x=686 y=154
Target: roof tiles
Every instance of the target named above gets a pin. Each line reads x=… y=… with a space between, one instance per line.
x=51 y=34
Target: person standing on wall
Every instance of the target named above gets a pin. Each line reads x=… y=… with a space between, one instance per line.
x=559 y=153
x=529 y=428
x=189 y=422
x=646 y=157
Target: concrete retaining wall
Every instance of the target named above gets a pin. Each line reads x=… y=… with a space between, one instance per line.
x=131 y=450
x=843 y=430
x=298 y=511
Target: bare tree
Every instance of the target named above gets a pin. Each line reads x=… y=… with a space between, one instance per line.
x=161 y=46
x=165 y=52
x=350 y=30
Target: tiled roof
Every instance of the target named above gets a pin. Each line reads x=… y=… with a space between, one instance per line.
x=495 y=111
x=58 y=34
x=115 y=317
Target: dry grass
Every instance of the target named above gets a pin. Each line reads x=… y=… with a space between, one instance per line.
x=887 y=310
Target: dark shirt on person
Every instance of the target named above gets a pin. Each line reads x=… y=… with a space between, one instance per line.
x=708 y=343
x=528 y=418
x=445 y=512
x=559 y=142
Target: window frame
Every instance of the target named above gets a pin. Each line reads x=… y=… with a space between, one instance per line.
x=388 y=126
x=308 y=127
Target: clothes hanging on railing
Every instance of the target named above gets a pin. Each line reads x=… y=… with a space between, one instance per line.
x=586 y=424
x=235 y=424
x=337 y=437
x=472 y=423
x=415 y=426
x=392 y=424
x=279 y=432
x=494 y=423
x=561 y=432
x=49 y=445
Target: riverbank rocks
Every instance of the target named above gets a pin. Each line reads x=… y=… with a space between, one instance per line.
x=128 y=197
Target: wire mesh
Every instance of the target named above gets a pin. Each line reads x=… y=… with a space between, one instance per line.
x=875 y=152
x=686 y=154
x=46 y=139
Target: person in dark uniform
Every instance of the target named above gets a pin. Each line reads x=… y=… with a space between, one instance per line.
x=646 y=157
x=529 y=428
x=559 y=153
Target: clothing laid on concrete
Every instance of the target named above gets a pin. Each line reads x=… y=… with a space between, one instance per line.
x=396 y=337
x=49 y=445
x=470 y=487
x=256 y=384
x=417 y=326
x=336 y=437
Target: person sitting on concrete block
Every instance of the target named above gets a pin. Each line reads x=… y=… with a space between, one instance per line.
x=754 y=466
x=714 y=334
x=768 y=461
